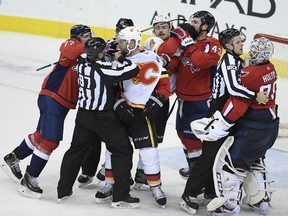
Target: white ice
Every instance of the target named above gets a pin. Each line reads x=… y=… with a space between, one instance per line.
x=20 y=55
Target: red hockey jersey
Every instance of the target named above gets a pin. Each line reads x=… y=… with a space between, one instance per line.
x=62 y=83
x=257 y=78
x=196 y=69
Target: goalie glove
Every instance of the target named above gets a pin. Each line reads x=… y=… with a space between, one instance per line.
x=211 y=129
x=123 y=110
x=153 y=106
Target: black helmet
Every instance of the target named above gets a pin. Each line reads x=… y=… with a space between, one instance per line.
x=190 y=29
x=94 y=46
x=123 y=23
x=227 y=35
x=206 y=18
x=78 y=30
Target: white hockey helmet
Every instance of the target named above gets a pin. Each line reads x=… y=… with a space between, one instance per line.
x=161 y=19
x=261 y=50
x=130 y=33
x=152 y=43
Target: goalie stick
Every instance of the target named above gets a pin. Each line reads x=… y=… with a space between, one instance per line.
x=48 y=65
x=151 y=27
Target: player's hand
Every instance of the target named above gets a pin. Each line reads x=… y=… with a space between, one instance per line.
x=123 y=110
x=153 y=106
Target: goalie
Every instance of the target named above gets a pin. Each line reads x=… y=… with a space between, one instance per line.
x=240 y=159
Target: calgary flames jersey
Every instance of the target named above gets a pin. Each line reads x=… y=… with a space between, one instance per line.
x=137 y=90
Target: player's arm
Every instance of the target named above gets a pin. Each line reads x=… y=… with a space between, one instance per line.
x=156 y=100
x=201 y=59
x=235 y=108
x=71 y=49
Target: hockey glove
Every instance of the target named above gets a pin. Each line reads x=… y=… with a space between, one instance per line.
x=182 y=37
x=153 y=106
x=166 y=59
x=186 y=43
x=211 y=129
x=123 y=110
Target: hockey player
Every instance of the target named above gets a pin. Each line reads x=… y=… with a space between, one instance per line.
x=240 y=157
x=96 y=120
x=161 y=30
x=58 y=95
x=225 y=83
x=137 y=108
x=196 y=63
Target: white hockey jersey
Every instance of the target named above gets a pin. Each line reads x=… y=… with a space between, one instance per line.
x=137 y=90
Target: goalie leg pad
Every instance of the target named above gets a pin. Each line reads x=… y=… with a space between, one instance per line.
x=257 y=188
x=227 y=184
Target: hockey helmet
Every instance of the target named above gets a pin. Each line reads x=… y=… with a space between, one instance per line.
x=130 y=33
x=161 y=19
x=123 y=23
x=206 y=18
x=77 y=31
x=94 y=46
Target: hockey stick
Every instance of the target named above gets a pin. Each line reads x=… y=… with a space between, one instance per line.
x=172 y=108
x=151 y=27
x=48 y=65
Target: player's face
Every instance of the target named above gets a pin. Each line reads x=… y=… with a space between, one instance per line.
x=196 y=23
x=162 y=30
x=238 y=45
x=126 y=47
x=85 y=37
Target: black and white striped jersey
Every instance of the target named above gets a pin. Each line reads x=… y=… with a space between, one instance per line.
x=226 y=81
x=96 y=80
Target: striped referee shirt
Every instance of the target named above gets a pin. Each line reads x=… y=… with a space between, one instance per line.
x=226 y=81
x=96 y=80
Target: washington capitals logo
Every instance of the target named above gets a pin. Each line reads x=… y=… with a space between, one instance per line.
x=187 y=62
x=243 y=73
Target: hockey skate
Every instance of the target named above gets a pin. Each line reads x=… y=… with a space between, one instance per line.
x=159 y=195
x=11 y=167
x=141 y=181
x=84 y=180
x=29 y=186
x=130 y=202
x=101 y=174
x=104 y=195
x=189 y=204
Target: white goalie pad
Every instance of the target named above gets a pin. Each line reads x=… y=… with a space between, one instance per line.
x=256 y=186
x=227 y=185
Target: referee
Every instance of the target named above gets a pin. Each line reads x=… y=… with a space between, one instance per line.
x=96 y=121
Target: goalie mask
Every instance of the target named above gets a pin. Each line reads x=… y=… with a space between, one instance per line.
x=261 y=50
x=128 y=34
